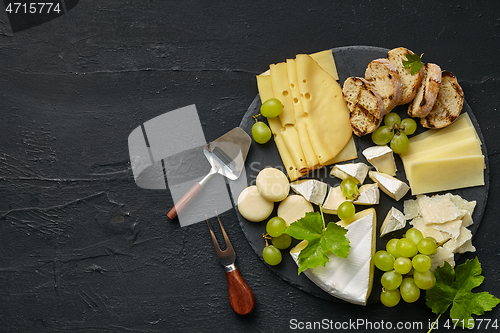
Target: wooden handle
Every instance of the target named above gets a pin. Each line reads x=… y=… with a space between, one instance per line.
x=184 y=200
x=241 y=296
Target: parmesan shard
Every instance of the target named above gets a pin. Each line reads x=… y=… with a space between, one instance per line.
x=438 y=209
x=445 y=218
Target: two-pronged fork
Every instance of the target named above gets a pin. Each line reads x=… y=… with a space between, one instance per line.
x=241 y=296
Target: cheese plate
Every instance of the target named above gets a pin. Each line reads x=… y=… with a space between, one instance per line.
x=350 y=61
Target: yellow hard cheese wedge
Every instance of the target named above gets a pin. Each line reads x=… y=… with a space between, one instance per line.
x=445 y=159
x=351 y=278
x=328 y=123
x=446 y=174
x=467 y=147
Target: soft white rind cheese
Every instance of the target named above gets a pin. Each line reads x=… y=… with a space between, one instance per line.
x=394 y=220
x=369 y=194
x=382 y=158
x=355 y=170
x=350 y=278
x=391 y=186
x=333 y=200
x=312 y=190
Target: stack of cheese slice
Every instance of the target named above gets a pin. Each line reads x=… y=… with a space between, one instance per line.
x=351 y=278
x=443 y=217
x=445 y=159
x=314 y=129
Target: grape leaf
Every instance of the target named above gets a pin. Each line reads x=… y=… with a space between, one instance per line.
x=413 y=62
x=454 y=287
x=320 y=240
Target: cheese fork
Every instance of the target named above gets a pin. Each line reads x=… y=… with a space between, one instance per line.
x=241 y=297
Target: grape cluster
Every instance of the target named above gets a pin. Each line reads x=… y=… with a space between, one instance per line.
x=275 y=228
x=406 y=264
x=395 y=131
x=349 y=188
x=269 y=109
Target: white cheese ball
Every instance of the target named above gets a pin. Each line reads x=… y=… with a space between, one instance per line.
x=273 y=184
x=293 y=208
x=253 y=206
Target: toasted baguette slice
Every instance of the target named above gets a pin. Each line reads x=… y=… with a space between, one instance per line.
x=449 y=103
x=410 y=83
x=384 y=78
x=365 y=105
x=427 y=92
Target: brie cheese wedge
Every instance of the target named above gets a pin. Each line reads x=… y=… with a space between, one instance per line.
x=355 y=170
x=394 y=220
x=333 y=200
x=382 y=158
x=369 y=194
x=391 y=186
x=351 y=278
x=312 y=190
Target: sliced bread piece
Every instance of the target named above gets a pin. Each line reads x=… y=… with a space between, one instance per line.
x=410 y=83
x=427 y=92
x=365 y=105
x=384 y=78
x=449 y=103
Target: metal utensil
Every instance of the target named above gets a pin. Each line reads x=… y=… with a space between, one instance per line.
x=241 y=297
x=226 y=155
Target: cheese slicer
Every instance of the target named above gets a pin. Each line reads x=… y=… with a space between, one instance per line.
x=226 y=156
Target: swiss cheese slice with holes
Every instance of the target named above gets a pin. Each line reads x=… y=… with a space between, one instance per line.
x=328 y=122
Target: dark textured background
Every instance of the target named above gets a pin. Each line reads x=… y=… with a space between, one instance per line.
x=83 y=249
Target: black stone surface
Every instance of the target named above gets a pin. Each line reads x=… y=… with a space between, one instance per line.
x=83 y=249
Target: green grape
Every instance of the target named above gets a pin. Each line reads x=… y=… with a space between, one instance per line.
x=383 y=260
x=271 y=255
x=424 y=280
x=406 y=248
x=346 y=210
x=391 y=247
x=427 y=246
x=409 y=125
x=402 y=265
x=390 y=298
x=271 y=108
x=349 y=188
x=414 y=234
x=261 y=132
x=409 y=290
x=282 y=242
x=391 y=280
x=391 y=119
x=421 y=262
x=382 y=135
x=275 y=226
x=399 y=143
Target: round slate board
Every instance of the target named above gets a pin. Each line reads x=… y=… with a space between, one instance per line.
x=350 y=61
